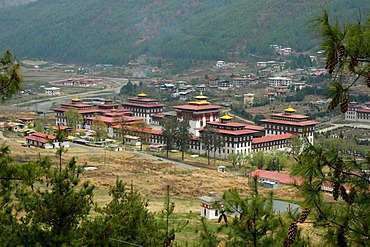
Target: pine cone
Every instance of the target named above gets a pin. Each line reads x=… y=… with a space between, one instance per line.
x=336 y=187
x=352 y=195
x=338 y=169
x=352 y=64
x=344 y=105
x=292 y=232
x=341 y=238
x=304 y=214
x=344 y=194
x=341 y=50
x=331 y=62
x=331 y=105
x=330 y=66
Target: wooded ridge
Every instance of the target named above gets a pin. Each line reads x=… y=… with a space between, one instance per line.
x=115 y=32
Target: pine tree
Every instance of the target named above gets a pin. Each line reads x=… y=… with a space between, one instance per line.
x=257 y=224
x=10 y=78
x=183 y=137
x=169 y=127
x=348 y=52
x=125 y=220
x=349 y=179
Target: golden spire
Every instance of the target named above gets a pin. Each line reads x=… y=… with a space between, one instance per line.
x=226 y=116
x=142 y=94
x=289 y=110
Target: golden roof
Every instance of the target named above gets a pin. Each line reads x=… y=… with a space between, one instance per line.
x=199 y=103
x=142 y=94
x=201 y=96
x=226 y=116
x=290 y=110
x=76 y=99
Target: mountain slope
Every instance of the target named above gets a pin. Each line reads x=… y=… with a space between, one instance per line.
x=110 y=31
x=8 y=3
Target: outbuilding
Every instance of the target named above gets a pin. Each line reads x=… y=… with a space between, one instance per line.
x=210 y=205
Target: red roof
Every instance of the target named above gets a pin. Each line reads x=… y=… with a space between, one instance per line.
x=59 y=109
x=142 y=105
x=149 y=131
x=287 y=122
x=109 y=105
x=197 y=107
x=364 y=110
x=159 y=115
x=275 y=176
x=353 y=105
x=43 y=135
x=37 y=139
x=284 y=115
x=254 y=127
x=237 y=132
x=84 y=111
x=40 y=137
x=271 y=138
x=61 y=127
x=231 y=124
x=79 y=105
x=142 y=99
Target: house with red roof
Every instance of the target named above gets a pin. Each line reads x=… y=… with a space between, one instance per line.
x=198 y=113
x=43 y=140
x=267 y=143
x=144 y=107
x=88 y=112
x=358 y=112
x=276 y=177
x=289 y=122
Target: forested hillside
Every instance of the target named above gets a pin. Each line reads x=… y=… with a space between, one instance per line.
x=110 y=31
x=7 y=3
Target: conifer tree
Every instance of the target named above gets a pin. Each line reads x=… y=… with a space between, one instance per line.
x=347 y=52
x=10 y=78
x=183 y=137
x=345 y=217
x=257 y=224
x=124 y=221
x=169 y=126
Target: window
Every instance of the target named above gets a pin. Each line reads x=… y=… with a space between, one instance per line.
x=216 y=212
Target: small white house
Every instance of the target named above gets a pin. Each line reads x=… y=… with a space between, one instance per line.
x=220 y=64
x=210 y=205
x=221 y=168
x=52 y=90
x=133 y=140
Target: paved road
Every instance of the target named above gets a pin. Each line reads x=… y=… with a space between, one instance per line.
x=350 y=125
x=46 y=104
